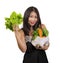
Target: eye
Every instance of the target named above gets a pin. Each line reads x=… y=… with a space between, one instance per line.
x=35 y=16
x=31 y=16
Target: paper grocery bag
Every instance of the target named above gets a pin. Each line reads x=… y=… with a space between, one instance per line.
x=40 y=40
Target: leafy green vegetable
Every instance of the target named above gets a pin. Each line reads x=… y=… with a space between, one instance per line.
x=45 y=32
x=14 y=19
x=35 y=34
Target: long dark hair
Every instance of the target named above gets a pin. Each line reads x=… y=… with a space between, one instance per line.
x=26 y=26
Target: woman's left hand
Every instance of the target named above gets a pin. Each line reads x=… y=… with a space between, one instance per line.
x=45 y=47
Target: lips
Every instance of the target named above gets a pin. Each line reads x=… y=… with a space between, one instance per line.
x=32 y=22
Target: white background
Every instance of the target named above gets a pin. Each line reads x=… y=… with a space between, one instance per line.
x=50 y=16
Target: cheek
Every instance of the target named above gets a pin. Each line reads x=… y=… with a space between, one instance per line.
x=33 y=19
x=36 y=20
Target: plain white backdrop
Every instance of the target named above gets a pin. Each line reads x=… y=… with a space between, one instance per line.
x=50 y=16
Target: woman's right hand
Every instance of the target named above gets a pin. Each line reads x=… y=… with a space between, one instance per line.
x=16 y=28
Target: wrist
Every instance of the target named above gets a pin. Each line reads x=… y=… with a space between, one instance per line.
x=17 y=30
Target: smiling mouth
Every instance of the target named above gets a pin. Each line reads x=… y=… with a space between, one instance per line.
x=32 y=22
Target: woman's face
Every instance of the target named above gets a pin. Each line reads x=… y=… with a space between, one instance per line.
x=32 y=18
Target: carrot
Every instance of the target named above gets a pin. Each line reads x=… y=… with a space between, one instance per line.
x=40 y=32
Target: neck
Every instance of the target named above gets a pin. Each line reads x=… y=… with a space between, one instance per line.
x=31 y=31
x=31 y=28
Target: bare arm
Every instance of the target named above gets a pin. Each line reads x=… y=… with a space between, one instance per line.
x=45 y=47
x=19 y=34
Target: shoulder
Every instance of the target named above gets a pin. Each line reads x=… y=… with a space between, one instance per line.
x=43 y=26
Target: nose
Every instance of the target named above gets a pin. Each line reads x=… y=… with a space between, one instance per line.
x=33 y=19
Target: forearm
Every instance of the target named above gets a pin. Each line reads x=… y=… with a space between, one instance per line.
x=20 y=41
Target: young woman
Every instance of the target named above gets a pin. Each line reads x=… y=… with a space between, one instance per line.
x=31 y=21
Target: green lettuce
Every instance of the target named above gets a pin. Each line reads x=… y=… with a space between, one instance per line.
x=14 y=19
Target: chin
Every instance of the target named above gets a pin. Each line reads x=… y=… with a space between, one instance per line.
x=32 y=24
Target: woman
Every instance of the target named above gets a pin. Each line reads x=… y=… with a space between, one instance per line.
x=31 y=21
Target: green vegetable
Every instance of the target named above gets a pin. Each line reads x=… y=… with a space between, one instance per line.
x=45 y=32
x=14 y=19
x=35 y=34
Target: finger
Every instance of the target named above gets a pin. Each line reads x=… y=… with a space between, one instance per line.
x=44 y=44
x=14 y=27
x=37 y=46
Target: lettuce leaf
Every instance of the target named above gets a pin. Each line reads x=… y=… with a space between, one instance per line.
x=14 y=19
